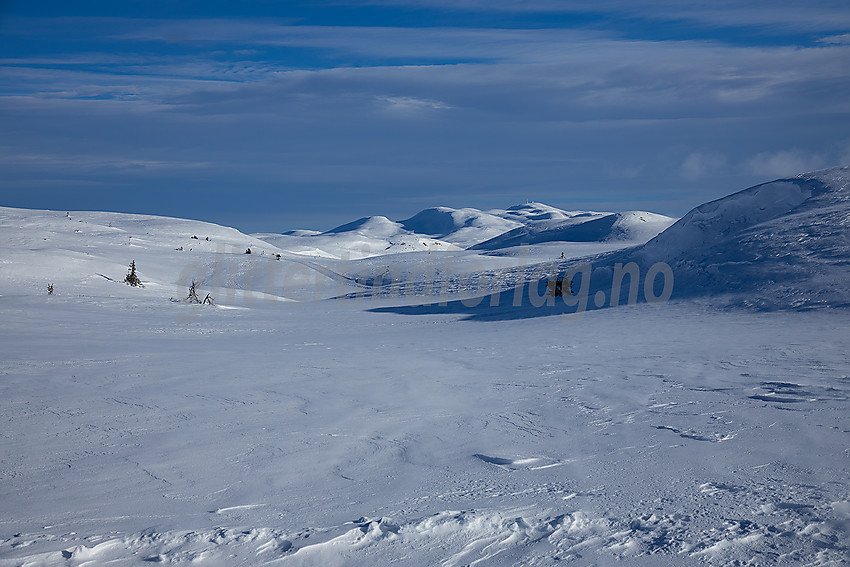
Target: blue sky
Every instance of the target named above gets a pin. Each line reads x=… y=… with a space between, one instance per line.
x=271 y=116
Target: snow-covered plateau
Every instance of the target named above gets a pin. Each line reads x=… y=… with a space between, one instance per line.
x=407 y=393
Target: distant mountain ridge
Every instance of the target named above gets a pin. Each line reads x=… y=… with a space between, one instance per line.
x=636 y=226
x=446 y=228
x=462 y=227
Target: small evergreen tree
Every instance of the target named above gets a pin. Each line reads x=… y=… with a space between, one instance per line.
x=131 y=278
x=193 y=294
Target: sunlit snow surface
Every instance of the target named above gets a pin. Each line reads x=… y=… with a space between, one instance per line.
x=283 y=426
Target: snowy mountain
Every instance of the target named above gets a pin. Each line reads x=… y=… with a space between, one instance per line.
x=532 y=212
x=780 y=244
x=364 y=238
x=448 y=229
x=462 y=227
x=632 y=226
x=375 y=227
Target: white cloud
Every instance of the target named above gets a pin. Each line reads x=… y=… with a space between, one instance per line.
x=842 y=39
x=89 y=162
x=549 y=74
x=844 y=154
x=411 y=105
x=784 y=163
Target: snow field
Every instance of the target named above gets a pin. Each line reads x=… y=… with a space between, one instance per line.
x=307 y=419
x=321 y=434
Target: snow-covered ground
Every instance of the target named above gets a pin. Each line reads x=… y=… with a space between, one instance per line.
x=305 y=419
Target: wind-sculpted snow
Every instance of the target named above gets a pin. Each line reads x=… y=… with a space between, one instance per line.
x=479 y=537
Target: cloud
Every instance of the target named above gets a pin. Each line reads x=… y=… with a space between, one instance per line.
x=553 y=115
x=555 y=74
x=699 y=165
x=380 y=43
x=784 y=163
x=844 y=153
x=842 y=39
x=411 y=106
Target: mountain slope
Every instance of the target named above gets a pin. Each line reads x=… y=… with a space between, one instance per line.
x=376 y=227
x=462 y=227
x=364 y=238
x=87 y=253
x=776 y=245
x=532 y=212
x=631 y=226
